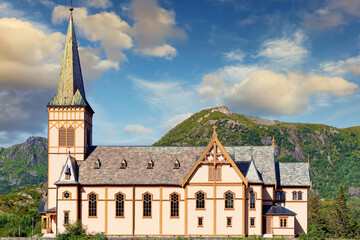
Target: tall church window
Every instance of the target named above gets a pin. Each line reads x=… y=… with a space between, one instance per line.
x=62 y=137
x=200 y=200
x=66 y=217
x=119 y=205
x=252 y=200
x=70 y=137
x=92 y=204
x=229 y=200
x=294 y=195
x=174 y=211
x=299 y=195
x=147 y=205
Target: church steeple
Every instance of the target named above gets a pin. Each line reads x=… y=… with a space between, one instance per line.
x=70 y=90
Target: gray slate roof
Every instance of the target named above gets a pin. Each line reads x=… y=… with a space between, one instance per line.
x=276 y=210
x=136 y=172
x=252 y=174
x=294 y=174
x=43 y=206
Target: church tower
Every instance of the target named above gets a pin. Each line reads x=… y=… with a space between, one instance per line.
x=70 y=115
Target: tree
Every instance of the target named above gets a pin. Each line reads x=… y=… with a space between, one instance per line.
x=340 y=215
x=316 y=219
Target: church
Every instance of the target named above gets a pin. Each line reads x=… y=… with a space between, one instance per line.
x=161 y=191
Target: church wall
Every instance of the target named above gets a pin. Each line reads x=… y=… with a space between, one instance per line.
x=255 y=213
x=230 y=175
x=173 y=225
x=200 y=175
x=279 y=231
x=299 y=207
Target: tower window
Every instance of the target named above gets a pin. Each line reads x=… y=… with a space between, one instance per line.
x=62 y=137
x=200 y=200
x=92 y=205
x=229 y=200
x=252 y=222
x=252 y=200
x=66 y=195
x=299 y=195
x=70 y=137
x=147 y=205
x=174 y=211
x=120 y=205
x=200 y=221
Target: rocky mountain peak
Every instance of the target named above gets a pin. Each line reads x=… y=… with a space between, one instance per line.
x=31 y=141
x=223 y=109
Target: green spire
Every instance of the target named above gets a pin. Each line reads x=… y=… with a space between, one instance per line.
x=70 y=90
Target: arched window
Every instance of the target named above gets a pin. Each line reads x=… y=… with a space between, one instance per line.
x=294 y=195
x=62 y=137
x=174 y=212
x=299 y=195
x=70 y=137
x=147 y=205
x=119 y=204
x=229 y=200
x=150 y=164
x=200 y=200
x=92 y=204
x=252 y=200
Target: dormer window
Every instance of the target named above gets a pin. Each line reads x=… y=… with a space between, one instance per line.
x=150 y=164
x=123 y=164
x=97 y=164
x=176 y=164
x=67 y=173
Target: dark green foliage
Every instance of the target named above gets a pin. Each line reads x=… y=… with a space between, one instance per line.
x=77 y=231
x=334 y=153
x=18 y=208
x=340 y=217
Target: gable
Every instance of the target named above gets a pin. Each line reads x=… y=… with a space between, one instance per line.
x=211 y=162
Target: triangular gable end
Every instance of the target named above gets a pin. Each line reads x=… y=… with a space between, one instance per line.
x=68 y=168
x=207 y=156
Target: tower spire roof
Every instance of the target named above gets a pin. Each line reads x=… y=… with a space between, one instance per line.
x=70 y=91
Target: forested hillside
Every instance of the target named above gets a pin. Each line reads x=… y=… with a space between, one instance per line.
x=333 y=152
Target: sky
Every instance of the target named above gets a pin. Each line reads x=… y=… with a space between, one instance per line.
x=150 y=64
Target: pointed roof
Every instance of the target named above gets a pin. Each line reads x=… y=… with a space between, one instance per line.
x=252 y=174
x=70 y=91
x=68 y=168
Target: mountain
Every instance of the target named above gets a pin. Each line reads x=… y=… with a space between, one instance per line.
x=23 y=164
x=19 y=208
x=333 y=153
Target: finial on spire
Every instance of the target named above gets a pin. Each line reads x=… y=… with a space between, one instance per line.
x=71 y=8
x=252 y=153
x=273 y=142
x=214 y=127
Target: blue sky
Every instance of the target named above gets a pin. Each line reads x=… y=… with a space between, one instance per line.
x=148 y=65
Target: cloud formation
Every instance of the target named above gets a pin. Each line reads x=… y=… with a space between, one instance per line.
x=137 y=129
x=287 y=51
x=153 y=27
x=334 y=13
x=211 y=88
x=105 y=27
x=99 y=3
x=342 y=67
x=172 y=122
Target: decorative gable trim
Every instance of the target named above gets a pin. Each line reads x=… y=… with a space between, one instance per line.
x=214 y=144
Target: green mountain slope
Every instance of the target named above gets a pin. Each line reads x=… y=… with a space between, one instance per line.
x=23 y=164
x=333 y=153
x=19 y=208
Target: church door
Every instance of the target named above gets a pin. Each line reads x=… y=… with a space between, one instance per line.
x=268 y=225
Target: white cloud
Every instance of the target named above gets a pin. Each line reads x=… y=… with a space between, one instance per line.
x=172 y=122
x=153 y=27
x=342 y=67
x=137 y=129
x=267 y=93
x=168 y=96
x=211 y=88
x=333 y=14
x=99 y=3
x=288 y=51
x=235 y=55
x=105 y=27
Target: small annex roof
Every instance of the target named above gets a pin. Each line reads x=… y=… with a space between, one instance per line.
x=294 y=174
x=252 y=174
x=276 y=210
x=43 y=206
